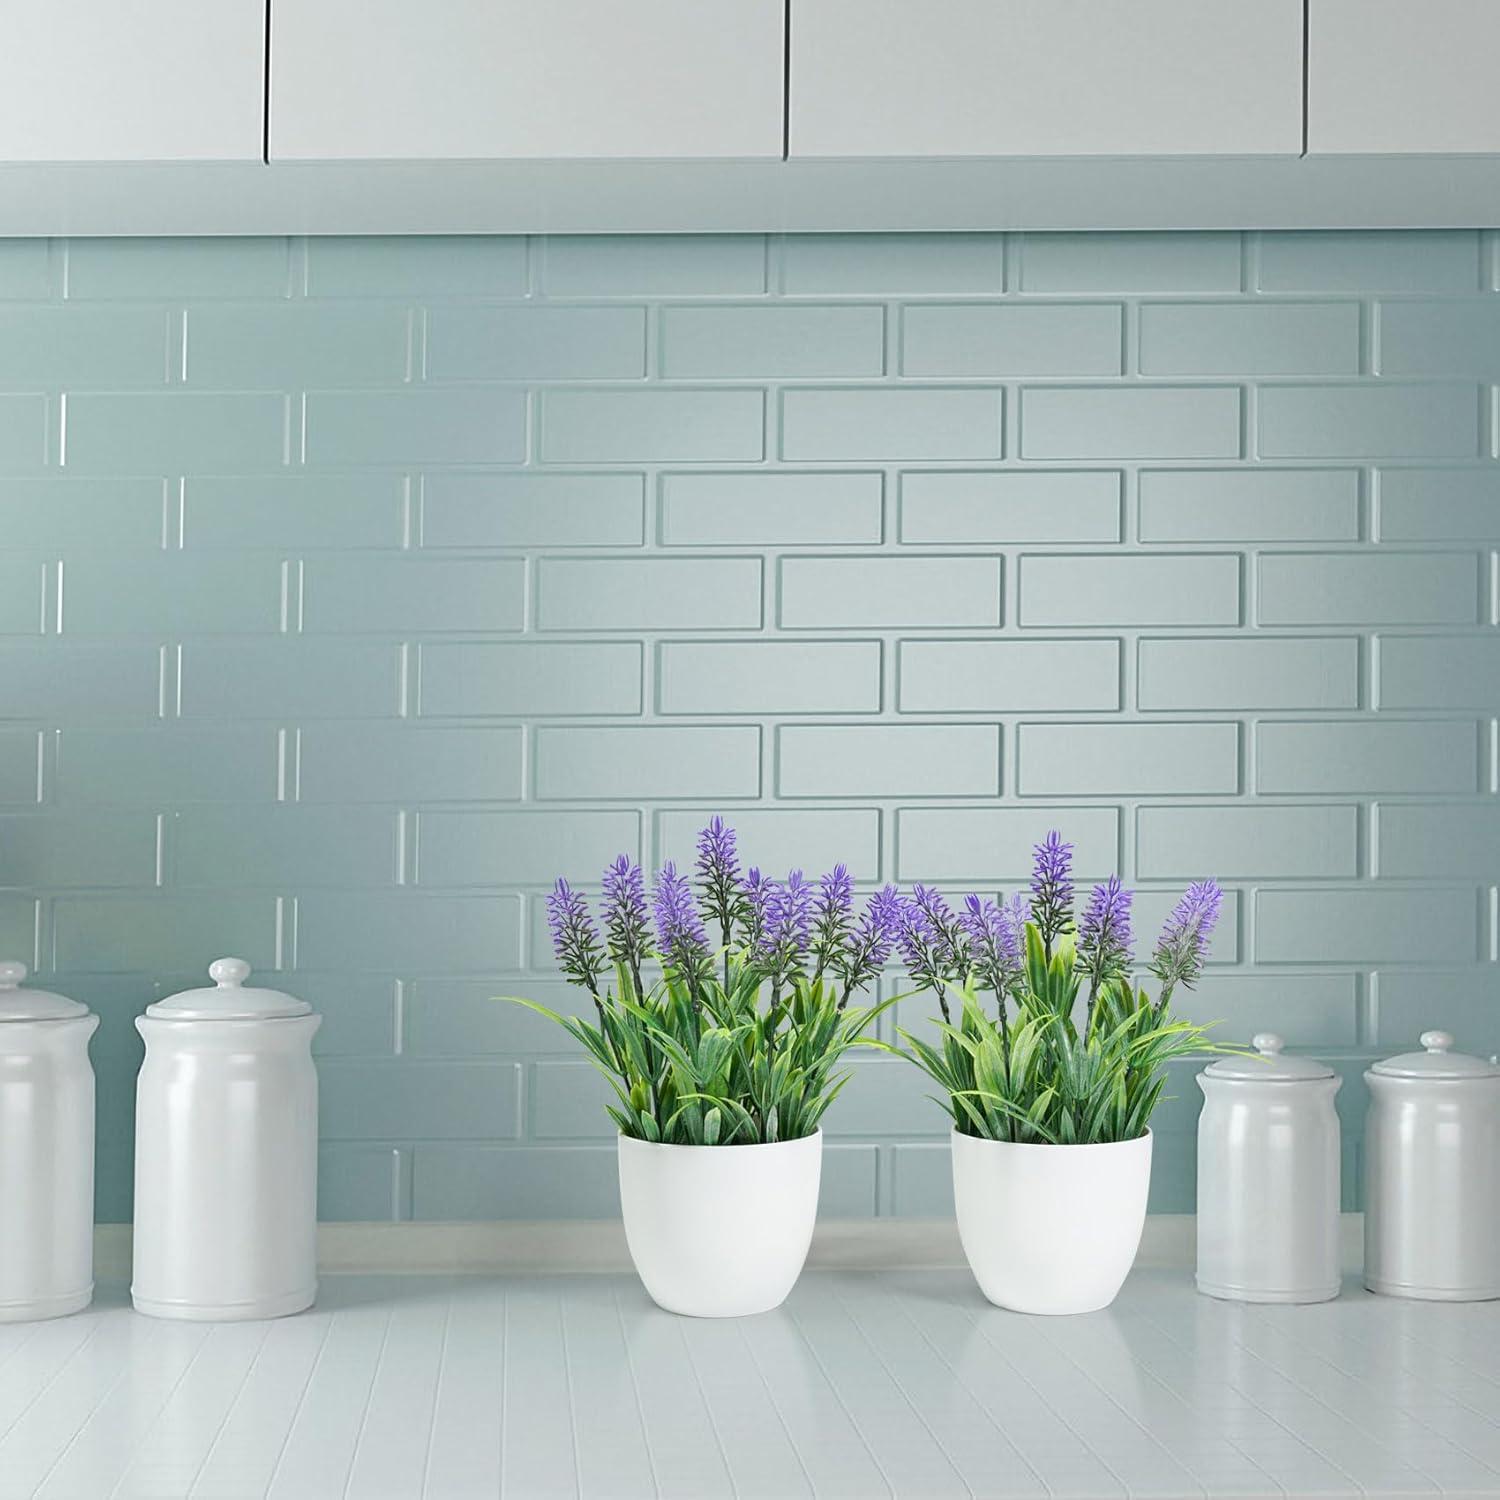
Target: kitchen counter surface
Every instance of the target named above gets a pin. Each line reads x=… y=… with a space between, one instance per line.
x=865 y=1384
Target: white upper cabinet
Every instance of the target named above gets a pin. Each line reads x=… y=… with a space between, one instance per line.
x=495 y=79
x=1046 y=77
x=1392 y=76
x=132 y=80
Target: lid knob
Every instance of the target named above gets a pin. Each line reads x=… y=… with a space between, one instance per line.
x=1436 y=1041
x=228 y=972
x=1267 y=1042
x=12 y=972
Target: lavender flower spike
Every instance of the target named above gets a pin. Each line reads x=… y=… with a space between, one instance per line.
x=1052 y=889
x=994 y=945
x=627 y=933
x=680 y=938
x=934 y=945
x=787 y=930
x=1182 y=948
x=755 y=896
x=1104 y=935
x=719 y=871
x=575 y=939
x=869 y=944
x=832 y=915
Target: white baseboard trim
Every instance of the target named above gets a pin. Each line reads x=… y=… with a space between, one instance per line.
x=581 y=1246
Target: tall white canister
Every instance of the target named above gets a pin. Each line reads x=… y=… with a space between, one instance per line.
x=226 y=1153
x=1432 y=1175
x=1268 y=1178
x=46 y=1152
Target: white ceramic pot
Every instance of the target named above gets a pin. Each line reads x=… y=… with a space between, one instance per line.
x=720 y=1231
x=1050 y=1229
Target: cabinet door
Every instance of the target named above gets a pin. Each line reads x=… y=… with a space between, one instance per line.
x=1391 y=76
x=1046 y=77
x=132 y=80
x=445 y=79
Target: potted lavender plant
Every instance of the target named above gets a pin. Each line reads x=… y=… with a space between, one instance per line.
x=1051 y=1089
x=723 y=1054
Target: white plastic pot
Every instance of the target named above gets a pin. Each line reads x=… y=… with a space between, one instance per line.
x=720 y=1231
x=1050 y=1229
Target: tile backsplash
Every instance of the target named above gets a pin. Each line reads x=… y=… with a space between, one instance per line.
x=351 y=589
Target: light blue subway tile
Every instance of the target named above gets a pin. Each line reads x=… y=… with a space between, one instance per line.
x=416 y=266
x=929 y=422
x=1302 y=842
x=521 y=848
x=20 y=766
x=768 y=677
x=676 y=265
x=1008 y=676
x=641 y=763
x=1443 y=339
x=1389 y=588
x=19 y=928
x=1370 y=925
x=411 y=1100
x=170 y=594
x=288 y=513
x=23 y=433
x=905 y=760
x=1384 y=755
x=887 y=1096
x=408 y=931
x=56 y=515
x=1136 y=262
x=921 y=1179
x=526 y=1182
x=1088 y=760
x=174 y=432
x=1445 y=841
x=1304 y=1010
x=472 y=1017
x=481 y=679
x=669 y=426
x=78 y=849
x=239 y=346
x=1012 y=339
x=988 y=843
x=770 y=509
x=359 y=1010
x=363 y=1184
x=1248 y=338
x=536 y=343
x=474 y=425
x=922 y=264
x=1461 y=1001
x=1432 y=671
x=567 y=1101
x=290 y=678
x=1130 y=422
x=1369 y=261
x=24 y=269
x=1246 y=673
x=849 y=1186
x=1369 y=421
x=171 y=763
x=532 y=510
x=776 y=841
x=288 y=848
x=945 y=505
x=172 y=932
x=863 y=592
x=176 y=270
x=73 y=679
x=649 y=594
x=88 y=346
x=386 y=595
x=1153 y=910
x=408 y=763
x=772 y=340
x=22 y=581
x=1069 y=589
x=1249 y=505
x=1439 y=505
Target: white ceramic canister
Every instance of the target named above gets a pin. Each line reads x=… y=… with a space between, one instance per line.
x=1268 y=1178
x=1432 y=1175
x=46 y=1152
x=226 y=1153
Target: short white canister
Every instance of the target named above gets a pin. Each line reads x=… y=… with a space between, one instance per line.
x=226 y=1153
x=1268 y=1177
x=1432 y=1175
x=46 y=1152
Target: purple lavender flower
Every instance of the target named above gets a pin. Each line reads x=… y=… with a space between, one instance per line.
x=680 y=938
x=994 y=941
x=754 y=897
x=719 y=869
x=1182 y=948
x=868 y=945
x=933 y=942
x=1104 y=935
x=832 y=915
x=1052 y=889
x=627 y=932
x=575 y=939
x=787 y=929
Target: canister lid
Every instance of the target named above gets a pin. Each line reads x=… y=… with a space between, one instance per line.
x=17 y=1004
x=1438 y=1061
x=229 y=999
x=1270 y=1065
